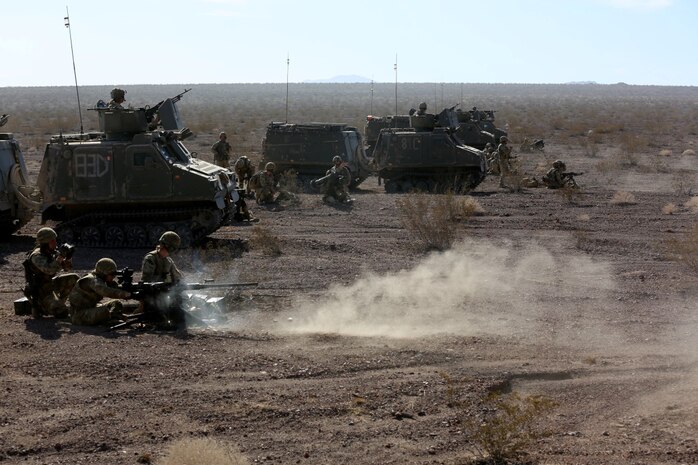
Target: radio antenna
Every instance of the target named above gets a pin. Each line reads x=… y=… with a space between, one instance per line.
x=72 y=54
x=395 y=67
x=288 y=65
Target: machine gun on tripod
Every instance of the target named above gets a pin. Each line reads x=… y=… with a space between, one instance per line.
x=164 y=305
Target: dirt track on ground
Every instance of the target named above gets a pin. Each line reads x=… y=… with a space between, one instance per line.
x=358 y=347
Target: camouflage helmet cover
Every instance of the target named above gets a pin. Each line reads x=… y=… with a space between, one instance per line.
x=423 y=106
x=170 y=239
x=270 y=166
x=558 y=164
x=105 y=266
x=504 y=139
x=336 y=159
x=118 y=93
x=45 y=235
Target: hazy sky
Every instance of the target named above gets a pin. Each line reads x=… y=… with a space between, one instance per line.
x=224 y=41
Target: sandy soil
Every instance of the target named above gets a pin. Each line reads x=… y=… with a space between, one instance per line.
x=358 y=347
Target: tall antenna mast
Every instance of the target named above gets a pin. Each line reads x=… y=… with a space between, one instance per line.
x=371 y=112
x=461 y=95
x=395 y=67
x=288 y=65
x=75 y=73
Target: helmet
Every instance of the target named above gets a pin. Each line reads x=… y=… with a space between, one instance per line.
x=105 y=266
x=504 y=139
x=489 y=144
x=45 y=235
x=270 y=166
x=118 y=93
x=170 y=239
x=222 y=134
x=336 y=159
x=558 y=164
x=423 y=106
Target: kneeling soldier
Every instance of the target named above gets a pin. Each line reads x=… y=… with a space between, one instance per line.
x=91 y=289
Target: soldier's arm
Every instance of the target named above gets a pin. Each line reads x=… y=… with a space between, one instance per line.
x=45 y=264
x=174 y=271
x=101 y=288
x=148 y=268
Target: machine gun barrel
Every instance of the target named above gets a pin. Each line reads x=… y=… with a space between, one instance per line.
x=199 y=286
x=150 y=112
x=571 y=173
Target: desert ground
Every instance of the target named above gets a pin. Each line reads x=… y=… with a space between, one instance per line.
x=363 y=345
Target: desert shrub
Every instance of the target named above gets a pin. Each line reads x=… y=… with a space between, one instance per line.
x=683 y=183
x=685 y=249
x=265 y=241
x=623 y=198
x=692 y=204
x=665 y=153
x=202 y=451
x=668 y=209
x=431 y=219
x=569 y=193
x=688 y=152
x=507 y=426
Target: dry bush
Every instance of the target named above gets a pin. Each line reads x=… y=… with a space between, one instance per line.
x=665 y=153
x=685 y=250
x=669 y=209
x=569 y=193
x=263 y=240
x=623 y=198
x=507 y=426
x=689 y=152
x=692 y=204
x=431 y=219
x=202 y=451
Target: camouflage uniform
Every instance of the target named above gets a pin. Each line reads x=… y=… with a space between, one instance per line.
x=503 y=155
x=338 y=187
x=266 y=187
x=243 y=170
x=85 y=298
x=221 y=152
x=118 y=96
x=49 y=292
x=554 y=178
x=157 y=269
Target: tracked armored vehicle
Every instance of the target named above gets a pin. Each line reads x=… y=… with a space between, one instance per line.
x=375 y=124
x=427 y=156
x=16 y=203
x=308 y=149
x=476 y=128
x=126 y=185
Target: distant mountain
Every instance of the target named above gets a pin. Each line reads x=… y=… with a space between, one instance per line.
x=345 y=78
x=583 y=82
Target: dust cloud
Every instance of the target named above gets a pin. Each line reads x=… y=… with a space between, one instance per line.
x=475 y=288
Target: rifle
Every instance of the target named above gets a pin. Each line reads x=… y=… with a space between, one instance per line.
x=571 y=174
x=150 y=112
x=162 y=303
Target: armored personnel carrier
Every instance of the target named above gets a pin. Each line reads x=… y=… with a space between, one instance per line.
x=476 y=128
x=308 y=149
x=127 y=184
x=16 y=203
x=375 y=124
x=427 y=156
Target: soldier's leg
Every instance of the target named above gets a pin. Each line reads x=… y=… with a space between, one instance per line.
x=98 y=315
x=62 y=285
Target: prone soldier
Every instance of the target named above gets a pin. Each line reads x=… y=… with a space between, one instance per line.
x=557 y=178
x=89 y=291
x=47 y=291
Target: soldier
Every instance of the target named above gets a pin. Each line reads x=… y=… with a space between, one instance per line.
x=244 y=171
x=554 y=178
x=337 y=185
x=492 y=161
x=46 y=291
x=91 y=289
x=504 y=155
x=118 y=96
x=265 y=184
x=422 y=109
x=221 y=151
x=158 y=266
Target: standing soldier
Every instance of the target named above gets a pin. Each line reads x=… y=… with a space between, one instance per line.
x=221 y=151
x=91 y=289
x=158 y=266
x=118 y=96
x=243 y=171
x=504 y=155
x=265 y=189
x=46 y=291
